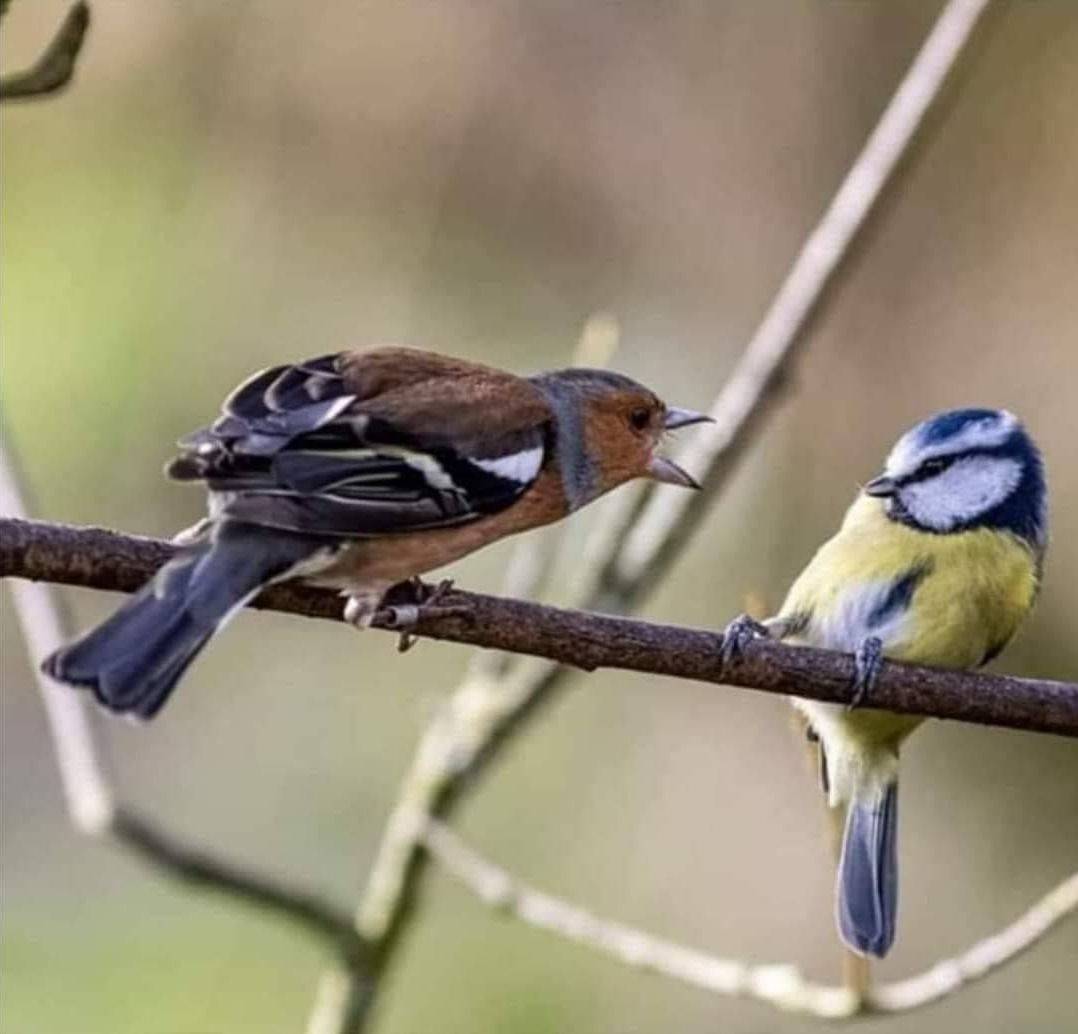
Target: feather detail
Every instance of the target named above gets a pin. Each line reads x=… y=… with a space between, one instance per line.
x=521 y=467
x=362 y=444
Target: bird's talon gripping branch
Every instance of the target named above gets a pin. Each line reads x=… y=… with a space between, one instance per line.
x=737 y=635
x=868 y=662
x=438 y=593
x=406 y=616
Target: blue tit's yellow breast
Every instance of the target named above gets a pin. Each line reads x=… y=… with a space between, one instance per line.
x=950 y=600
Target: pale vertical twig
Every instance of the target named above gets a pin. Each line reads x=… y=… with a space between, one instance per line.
x=90 y=802
x=37 y=608
x=641 y=542
x=669 y=516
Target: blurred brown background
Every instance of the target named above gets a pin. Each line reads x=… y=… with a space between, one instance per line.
x=231 y=185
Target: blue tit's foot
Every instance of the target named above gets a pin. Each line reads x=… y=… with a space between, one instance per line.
x=867 y=665
x=423 y=602
x=737 y=635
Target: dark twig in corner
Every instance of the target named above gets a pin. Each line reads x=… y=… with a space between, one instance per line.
x=92 y=806
x=102 y=559
x=201 y=869
x=54 y=69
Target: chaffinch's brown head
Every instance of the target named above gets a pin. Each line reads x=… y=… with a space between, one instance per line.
x=609 y=429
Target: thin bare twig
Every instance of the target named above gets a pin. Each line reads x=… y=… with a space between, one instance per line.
x=632 y=554
x=90 y=802
x=54 y=68
x=45 y=625
x=622 y=562
x=780 y=984
x=667 y=518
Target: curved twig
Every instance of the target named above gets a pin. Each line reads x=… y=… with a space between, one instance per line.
x=54 y=68
x=623 y=562
x=88 y=795
x=780 y=984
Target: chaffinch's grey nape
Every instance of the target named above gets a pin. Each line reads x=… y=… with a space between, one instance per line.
x=359 y=471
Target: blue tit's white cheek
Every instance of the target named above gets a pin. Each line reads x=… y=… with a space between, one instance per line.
x=965 y=490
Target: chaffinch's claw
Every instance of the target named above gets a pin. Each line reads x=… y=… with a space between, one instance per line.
x=405 y=616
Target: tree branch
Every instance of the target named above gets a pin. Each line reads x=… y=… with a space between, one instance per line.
x=88 y=795
x=665 y=517
x=621 y=561
x=779 y=984
x=56 y=65
x=101 y=559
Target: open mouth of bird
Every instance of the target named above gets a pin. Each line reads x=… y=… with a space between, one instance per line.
x=663 y=469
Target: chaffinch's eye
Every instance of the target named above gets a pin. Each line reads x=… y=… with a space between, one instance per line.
x=639 y=418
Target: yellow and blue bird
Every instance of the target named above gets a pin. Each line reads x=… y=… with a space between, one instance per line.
x=937 y=562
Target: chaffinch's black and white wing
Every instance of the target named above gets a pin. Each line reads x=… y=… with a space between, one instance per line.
x=362 y=444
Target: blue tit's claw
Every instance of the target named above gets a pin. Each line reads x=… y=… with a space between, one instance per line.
x=737 y=635
x=868 y=663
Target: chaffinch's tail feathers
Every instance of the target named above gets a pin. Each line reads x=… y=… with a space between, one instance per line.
x=134 y=659
x=868 y=873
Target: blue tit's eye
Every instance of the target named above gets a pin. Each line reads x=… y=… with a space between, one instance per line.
x=934 y=466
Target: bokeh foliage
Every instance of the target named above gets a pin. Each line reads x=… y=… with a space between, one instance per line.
x=226 y=186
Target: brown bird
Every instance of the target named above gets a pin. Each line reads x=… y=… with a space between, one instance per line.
x=361 y=470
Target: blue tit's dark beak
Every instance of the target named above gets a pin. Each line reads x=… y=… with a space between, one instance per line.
x=675 y=418
x=881 y=487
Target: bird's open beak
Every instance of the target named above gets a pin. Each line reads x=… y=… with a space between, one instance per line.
x=667 y=471
x=676 y=418
x=882 y=487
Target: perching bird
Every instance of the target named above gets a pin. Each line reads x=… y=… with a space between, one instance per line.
x=361 y=470
x=937 y=562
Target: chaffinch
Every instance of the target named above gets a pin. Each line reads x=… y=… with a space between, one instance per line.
x=361 y=470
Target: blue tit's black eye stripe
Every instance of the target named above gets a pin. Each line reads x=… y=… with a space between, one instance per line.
x=929 y=469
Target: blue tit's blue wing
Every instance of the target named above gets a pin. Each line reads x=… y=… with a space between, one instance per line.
x=304 y=448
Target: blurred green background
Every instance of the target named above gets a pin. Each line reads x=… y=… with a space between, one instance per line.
x=231 y=185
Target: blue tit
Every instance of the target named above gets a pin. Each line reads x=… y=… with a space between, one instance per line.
x=937 y=562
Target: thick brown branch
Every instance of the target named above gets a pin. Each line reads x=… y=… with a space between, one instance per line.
x=102 y=559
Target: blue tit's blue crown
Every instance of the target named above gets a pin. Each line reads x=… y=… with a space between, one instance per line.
x=969 y=468
x=945 y=426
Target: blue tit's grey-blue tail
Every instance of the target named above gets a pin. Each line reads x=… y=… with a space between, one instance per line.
x=868 y=874
x=133 y=660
